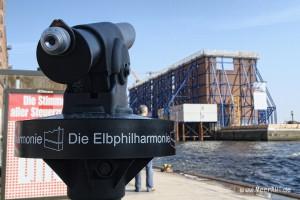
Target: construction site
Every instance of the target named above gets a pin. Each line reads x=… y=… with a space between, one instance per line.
x=209 y=94
x=212 y=95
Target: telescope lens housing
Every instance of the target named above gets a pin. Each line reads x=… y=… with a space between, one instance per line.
x=55 y=40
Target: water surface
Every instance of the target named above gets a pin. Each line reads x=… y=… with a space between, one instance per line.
x=266 y=164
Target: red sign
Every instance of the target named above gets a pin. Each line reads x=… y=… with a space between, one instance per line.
x=29 y=178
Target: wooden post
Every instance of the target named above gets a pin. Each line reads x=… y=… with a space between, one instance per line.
x=183 y=132
x=177 y=131
x=201 y=133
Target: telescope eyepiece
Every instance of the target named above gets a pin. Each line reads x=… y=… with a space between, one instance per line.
x=55 y=40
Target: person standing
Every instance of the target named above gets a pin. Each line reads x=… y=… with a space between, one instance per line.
x=143 y=111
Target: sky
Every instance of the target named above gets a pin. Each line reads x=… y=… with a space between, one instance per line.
x=169 y=30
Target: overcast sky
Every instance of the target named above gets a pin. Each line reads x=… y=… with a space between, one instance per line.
x=168 y=31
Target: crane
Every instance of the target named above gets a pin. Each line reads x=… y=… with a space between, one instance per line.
x=136 y=77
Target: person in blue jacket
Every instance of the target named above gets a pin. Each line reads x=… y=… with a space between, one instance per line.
x=143 y=111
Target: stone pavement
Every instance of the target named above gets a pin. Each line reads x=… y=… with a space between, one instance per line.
x=179 y=187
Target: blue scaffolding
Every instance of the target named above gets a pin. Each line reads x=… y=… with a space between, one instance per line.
x=223 y=80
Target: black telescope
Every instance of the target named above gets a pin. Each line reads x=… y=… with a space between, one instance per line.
x=92 y=59
x=67 y=54
x=97 y=145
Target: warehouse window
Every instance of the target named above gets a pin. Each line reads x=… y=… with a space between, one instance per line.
x=224 y=63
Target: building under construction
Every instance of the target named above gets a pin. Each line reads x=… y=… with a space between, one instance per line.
x=229 y=79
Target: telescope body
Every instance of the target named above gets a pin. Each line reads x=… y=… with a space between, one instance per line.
x=102 y=145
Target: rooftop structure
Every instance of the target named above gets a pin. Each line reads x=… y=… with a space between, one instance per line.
x=199 y=54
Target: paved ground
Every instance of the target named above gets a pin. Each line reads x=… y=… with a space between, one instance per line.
x=172 y=186
x=178 y=187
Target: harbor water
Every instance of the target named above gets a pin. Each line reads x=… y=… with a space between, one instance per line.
x=264 y=164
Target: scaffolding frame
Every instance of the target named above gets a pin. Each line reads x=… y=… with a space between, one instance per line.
x=204 y=79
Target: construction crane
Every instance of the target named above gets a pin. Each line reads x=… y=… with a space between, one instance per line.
x=151 y=73
x=136 y=77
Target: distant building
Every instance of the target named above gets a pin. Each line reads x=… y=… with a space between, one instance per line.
x=3 y=43
x=25 y=79
x=229 y=79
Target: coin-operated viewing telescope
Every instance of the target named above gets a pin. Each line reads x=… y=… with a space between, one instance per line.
x=96 y=145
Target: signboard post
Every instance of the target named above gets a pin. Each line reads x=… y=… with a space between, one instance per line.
x=24 y=178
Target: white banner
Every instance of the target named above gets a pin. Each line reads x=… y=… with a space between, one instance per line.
x=260 y=100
